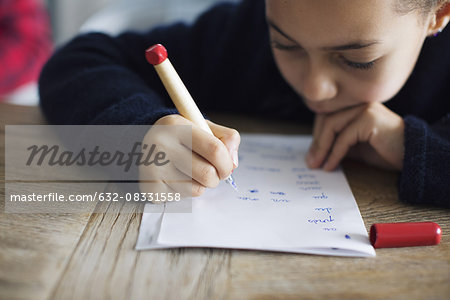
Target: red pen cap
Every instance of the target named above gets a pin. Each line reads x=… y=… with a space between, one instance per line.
x=390 y=235
x=156 y=54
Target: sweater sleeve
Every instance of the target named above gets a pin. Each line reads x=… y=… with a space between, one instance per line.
x=425 y=178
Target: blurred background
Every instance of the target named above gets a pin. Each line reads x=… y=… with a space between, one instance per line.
x=30 y=30
x=112 y=16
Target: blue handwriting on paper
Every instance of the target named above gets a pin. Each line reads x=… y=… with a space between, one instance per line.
x=308 y=176
x=321 y=196
x=305 y=182
x=310 y=188
x=308 y=185
x=254 y=168
x=263 y=169
x=253 y=191
x=329 y=219
x=287 y=148
x=259 y=145
x=327 y=209
x=278 y=157
x=278 y=193
x=248 y=198
x=280 y=200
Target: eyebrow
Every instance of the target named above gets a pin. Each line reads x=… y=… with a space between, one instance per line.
x=349 y=46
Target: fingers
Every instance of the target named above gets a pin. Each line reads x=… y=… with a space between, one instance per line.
x=218 y=150
x=199 y=158
x=318 y=123
x=182 y=177
x=326 y=128
x=371 y=125
x=187 y=164
x=204 y=172
x=213 y=151
x=230 y=137
x=187 y=187
x=350 y=136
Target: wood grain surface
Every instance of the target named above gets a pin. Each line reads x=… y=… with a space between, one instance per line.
x=91 y=255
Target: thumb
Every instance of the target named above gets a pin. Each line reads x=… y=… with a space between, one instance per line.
x=230 y=137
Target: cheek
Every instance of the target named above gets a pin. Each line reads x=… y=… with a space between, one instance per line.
x=289 y=68
x=384 y=86
x=380 y=90
x=393 y=74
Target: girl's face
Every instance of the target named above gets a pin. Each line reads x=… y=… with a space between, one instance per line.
x=338 y=54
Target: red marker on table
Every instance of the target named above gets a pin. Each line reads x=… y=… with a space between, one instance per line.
x=157 y=56
x=390 y=235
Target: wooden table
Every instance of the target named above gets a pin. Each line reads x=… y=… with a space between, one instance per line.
x=92 y=256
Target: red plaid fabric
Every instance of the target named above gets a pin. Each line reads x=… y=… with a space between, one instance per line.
x=25 y=42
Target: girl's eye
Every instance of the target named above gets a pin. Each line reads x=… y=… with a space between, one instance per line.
x=279 y=46
x=359 y=65
x=356 y=65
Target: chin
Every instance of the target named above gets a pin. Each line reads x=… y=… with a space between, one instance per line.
x=319 y=109
x=326 y=108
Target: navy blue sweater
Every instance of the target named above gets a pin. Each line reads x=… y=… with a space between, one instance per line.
x=225 y=61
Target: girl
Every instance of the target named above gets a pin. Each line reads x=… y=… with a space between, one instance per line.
x=371 y=74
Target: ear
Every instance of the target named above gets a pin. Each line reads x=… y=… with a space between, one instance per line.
x=440 y=18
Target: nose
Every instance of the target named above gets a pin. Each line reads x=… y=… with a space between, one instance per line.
x=318 y=84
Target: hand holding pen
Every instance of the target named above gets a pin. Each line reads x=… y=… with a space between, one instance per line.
x=214 y=147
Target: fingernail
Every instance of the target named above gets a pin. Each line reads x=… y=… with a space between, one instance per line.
x=235 y=158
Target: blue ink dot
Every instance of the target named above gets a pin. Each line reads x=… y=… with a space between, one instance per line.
x=334 y=248
x=253 y=191
x=347 y=237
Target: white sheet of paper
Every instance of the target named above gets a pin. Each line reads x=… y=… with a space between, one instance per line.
x=281 y=205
